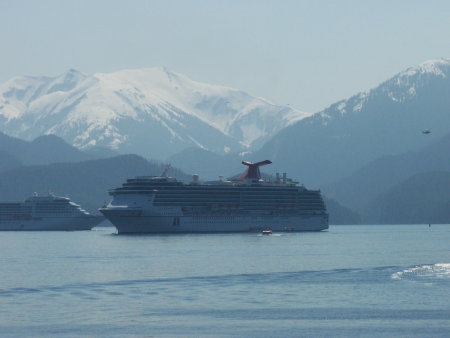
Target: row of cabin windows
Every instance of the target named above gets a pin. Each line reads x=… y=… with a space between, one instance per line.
x=213 y=190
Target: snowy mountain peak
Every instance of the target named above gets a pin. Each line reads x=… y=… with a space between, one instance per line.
x=400 y=88
x=386 y=120
x=150 y=111
x=65 y=82
x=435 y=67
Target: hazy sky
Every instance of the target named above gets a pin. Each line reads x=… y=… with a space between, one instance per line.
x=308 y=54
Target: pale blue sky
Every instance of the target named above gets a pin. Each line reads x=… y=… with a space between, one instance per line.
x=308 y=54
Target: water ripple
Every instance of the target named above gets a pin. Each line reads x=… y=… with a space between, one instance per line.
x=341 y=276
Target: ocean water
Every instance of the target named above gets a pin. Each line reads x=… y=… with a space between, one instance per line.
x=365 y=281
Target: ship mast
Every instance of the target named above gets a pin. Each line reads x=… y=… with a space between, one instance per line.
x=166 y=169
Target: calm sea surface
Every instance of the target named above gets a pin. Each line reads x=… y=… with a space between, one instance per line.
x=373 y=281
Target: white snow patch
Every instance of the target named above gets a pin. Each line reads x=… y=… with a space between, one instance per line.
x=198 y=144
x=341 y=107
x=362 y=99
x=428 y=67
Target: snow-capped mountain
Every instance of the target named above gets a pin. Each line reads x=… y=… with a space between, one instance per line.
x=386 y=120
x=404 y=87
x=152 y=111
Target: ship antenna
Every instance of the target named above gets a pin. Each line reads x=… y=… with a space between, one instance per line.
x=166 y=169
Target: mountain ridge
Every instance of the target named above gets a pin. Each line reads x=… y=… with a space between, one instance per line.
x=44 y=149
x=387 y=120
x=128 y=109
x=360 y=188
x=421 y=198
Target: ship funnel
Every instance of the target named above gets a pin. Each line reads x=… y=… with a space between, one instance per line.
x=195 y=179
x=253 y=170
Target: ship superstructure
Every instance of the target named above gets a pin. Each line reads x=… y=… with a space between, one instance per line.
x=46 y=213
x=161 y=204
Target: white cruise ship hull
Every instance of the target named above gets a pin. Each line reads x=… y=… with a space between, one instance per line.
x=52 y=223
x=126 y=222
x=161 y=204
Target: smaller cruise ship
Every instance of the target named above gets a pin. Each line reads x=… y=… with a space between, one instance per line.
x=48 y=212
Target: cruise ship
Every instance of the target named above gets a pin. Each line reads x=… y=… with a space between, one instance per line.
x=161 y=204
x=46 y=213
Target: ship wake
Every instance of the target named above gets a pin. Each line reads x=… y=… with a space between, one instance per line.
x=426 y=272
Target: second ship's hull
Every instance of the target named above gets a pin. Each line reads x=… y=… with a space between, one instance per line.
x=51 y=223
x=192 y=224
